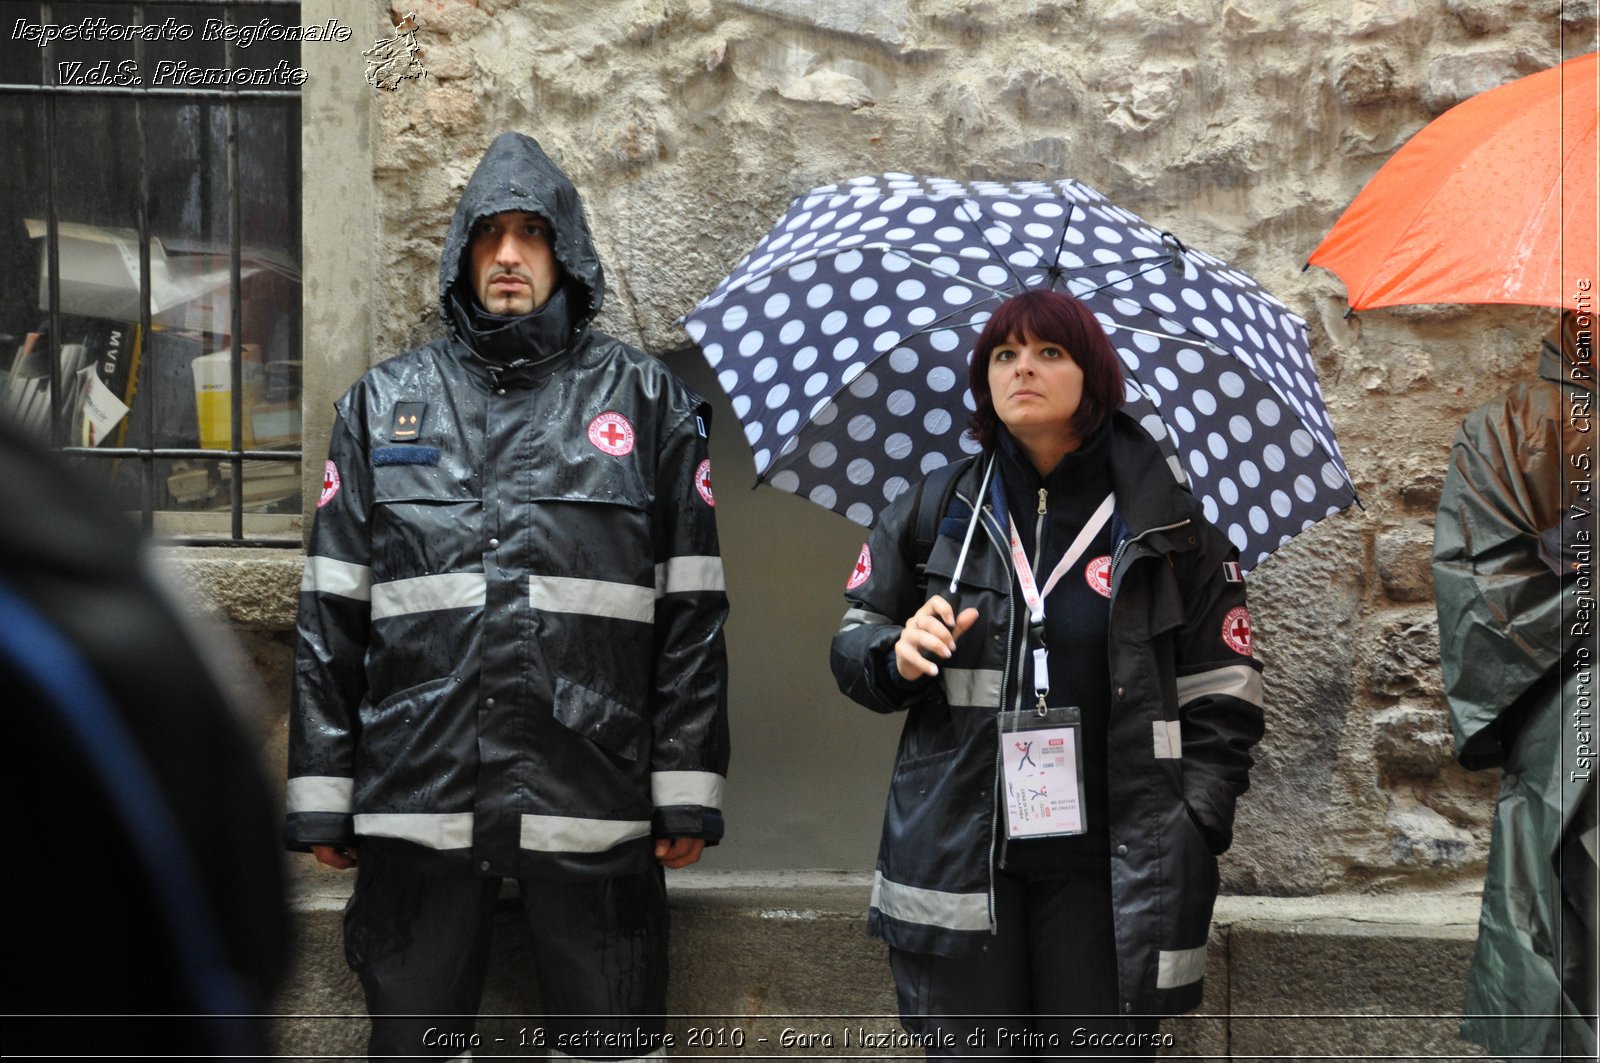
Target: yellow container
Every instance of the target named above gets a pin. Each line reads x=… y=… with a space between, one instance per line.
x=213 y=399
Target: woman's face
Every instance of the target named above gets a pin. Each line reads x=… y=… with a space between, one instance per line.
x=1035 y=386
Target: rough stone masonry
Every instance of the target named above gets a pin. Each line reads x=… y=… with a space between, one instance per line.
x=1245 y=126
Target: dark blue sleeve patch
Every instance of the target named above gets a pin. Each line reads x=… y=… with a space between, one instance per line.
x=405 y=456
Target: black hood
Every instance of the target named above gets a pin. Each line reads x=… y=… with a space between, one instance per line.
x=516 y=174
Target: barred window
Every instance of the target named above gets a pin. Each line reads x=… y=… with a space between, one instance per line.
x=150 y=319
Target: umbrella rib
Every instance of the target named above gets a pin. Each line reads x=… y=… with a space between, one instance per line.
x=973 y=222
x=897 y=249
x=1061 y=245
x=1125 y=262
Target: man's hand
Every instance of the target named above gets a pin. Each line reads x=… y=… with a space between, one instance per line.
x=679 y=852
x=931 y=632
x=341 y=857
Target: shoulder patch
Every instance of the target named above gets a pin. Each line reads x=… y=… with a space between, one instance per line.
x=863 y=570
x=407 y=421
x=330 y=483
x=702 y=482
x=612 y=433
x=1232 y=572
x=1236 y=631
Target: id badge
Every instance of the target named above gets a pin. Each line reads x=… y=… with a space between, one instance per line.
x=1042 y=757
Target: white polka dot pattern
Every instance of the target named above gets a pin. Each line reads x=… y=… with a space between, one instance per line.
x=842 y=340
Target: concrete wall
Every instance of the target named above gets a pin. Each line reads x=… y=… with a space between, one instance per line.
x=1244 y=126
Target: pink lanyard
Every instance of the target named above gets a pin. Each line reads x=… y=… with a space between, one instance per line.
x=1030 y=587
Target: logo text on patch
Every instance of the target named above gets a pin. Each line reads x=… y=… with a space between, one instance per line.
x=612 y=433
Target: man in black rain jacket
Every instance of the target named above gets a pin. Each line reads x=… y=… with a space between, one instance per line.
x=510 y=659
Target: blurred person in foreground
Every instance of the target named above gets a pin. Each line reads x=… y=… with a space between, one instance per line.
x=1513 y=574
x=146 y=884
x=1098 y=621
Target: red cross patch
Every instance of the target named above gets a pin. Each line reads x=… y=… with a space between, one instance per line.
x=1097 y=574
x=863 y=570
x=1236 y=630
x=612 y=433
x=702 y=482
x=330 y=483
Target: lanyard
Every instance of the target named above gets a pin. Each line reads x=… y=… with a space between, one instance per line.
x=1034 y=597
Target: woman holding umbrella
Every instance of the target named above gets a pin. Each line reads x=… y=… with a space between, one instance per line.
x=1069 y=639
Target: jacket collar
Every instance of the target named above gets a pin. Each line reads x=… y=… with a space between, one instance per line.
x=521 y=373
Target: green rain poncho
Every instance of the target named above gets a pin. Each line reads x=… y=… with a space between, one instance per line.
x=1514 y=577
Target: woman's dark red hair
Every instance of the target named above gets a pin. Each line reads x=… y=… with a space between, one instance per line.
x=1053 y=317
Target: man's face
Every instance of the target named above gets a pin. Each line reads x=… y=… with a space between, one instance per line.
x=513 y=265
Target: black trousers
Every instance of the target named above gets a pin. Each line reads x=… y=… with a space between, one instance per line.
x=1045 y=987
x=419 y=944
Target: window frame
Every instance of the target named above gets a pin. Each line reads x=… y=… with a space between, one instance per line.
x=235 y=455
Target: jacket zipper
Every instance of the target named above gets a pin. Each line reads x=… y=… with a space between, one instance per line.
x=999 y=764
x=1038 y=530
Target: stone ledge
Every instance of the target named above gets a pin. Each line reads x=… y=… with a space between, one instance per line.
x=252 y=588
x=784 y=956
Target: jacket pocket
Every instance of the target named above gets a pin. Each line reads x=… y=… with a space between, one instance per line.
x=609 y=724
x=436 y=482
x=424 y=522
x=1189 y=882
x=413 y=752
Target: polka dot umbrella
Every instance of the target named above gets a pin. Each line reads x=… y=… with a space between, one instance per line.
x=842 y=340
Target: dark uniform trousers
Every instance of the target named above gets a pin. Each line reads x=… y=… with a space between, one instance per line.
x=419 y=943
x=1044 y=987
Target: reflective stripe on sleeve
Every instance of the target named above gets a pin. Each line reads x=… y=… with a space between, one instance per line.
x=971 y=686
x=593 y=597
x=568 y=834
x=436 y=830
x=686 y=788
x=913 y=904
x=320 y=793
x=1234 y=680
x=686 y=575
x=854 y=618
x=324 y=575
x=1180 y=967
x=426 y=594
x=1169 y=739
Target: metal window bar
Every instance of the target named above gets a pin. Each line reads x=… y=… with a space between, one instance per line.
x=147 y=455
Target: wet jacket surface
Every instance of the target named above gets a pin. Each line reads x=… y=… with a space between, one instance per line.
x=510 y=638
x=1185 y=711
x=1513 y=571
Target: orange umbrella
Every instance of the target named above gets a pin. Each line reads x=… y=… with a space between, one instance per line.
x=1494 y=201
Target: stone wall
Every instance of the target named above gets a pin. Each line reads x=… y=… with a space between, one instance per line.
x=1243 y=126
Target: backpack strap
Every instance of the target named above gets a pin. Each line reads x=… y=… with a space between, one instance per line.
x=933 y=501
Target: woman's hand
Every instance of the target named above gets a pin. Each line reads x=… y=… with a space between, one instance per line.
x=931 y=632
